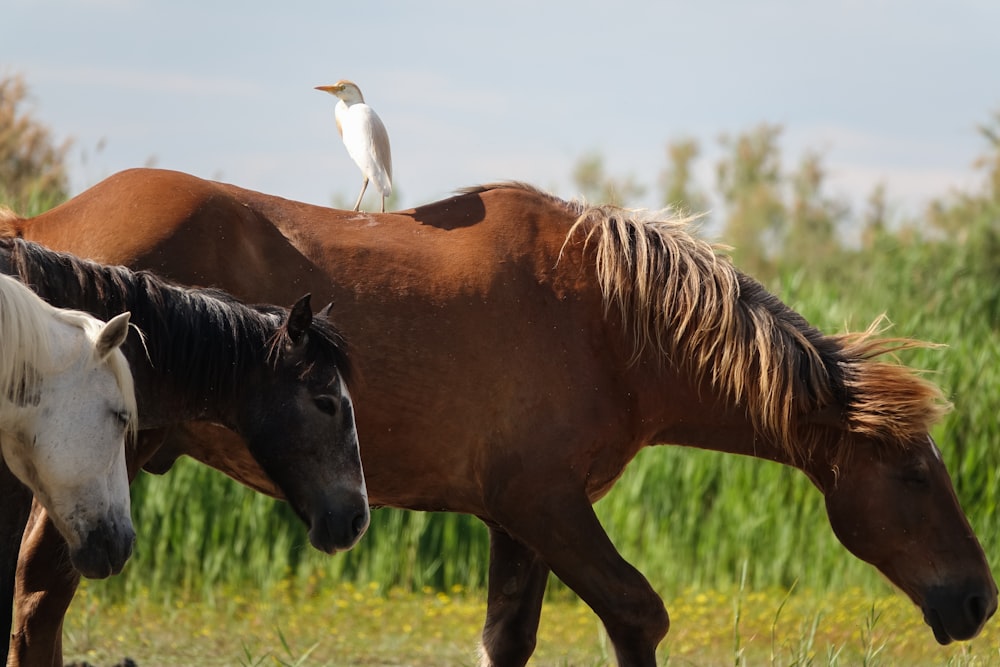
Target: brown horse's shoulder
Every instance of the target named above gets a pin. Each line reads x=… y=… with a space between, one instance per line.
x=519 y=191
x=502 y=185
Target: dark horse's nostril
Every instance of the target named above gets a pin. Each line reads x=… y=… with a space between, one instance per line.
x=977 y=608
x=359 y=523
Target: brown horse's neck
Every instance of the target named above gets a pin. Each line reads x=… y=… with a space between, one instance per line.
x=677 y=413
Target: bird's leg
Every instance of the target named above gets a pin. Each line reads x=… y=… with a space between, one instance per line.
x=383 y=204
x=364 y=186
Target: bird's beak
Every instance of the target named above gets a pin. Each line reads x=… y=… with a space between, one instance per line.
x=328 y=89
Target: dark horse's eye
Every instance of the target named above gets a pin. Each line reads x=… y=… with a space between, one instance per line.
x=328 y=404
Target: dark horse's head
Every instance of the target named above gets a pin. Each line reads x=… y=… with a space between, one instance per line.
x=298 y=421
x=277 y=377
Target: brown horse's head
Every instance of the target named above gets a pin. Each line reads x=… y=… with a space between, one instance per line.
x=889 y=497
x=827 y=405
x=895 y=508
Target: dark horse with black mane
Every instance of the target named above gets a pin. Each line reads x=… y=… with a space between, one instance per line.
x=275 y=376
x=515 y=351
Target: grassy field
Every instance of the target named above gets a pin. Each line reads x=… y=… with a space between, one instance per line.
x=328 y=623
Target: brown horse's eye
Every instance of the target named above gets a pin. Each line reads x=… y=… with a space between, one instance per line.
x=915 y=475
x=328 y=404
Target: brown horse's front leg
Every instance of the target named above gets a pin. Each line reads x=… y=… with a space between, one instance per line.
x=514 y=603
x=46 y=583
x=561 y=526
x=15 y=505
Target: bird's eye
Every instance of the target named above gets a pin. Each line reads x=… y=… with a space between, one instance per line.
x=328 y=404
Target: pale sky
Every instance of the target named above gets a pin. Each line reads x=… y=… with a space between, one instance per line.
x=889 y=91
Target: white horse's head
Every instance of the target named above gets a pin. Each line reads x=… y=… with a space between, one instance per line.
x=66 y=406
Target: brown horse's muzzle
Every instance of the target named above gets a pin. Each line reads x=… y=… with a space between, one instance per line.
x=958 y=613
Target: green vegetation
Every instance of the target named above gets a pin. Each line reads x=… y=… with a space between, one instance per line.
x=692 y=521
x=32 y=168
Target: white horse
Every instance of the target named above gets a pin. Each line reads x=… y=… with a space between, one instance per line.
x=66 y=406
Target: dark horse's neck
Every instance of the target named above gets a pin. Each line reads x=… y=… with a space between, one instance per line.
x=195 y=344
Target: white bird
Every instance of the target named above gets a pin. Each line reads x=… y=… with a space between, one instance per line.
x=364 y=136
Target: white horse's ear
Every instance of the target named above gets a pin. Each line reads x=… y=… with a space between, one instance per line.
x=112 y=335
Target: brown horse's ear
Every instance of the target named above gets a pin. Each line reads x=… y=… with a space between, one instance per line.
x=299 y=319
x=832 y=416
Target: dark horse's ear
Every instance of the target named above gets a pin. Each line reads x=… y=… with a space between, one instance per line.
x=325 y=313
x=299 y=319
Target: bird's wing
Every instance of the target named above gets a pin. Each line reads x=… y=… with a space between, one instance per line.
x=380 y=147
x=368 y=144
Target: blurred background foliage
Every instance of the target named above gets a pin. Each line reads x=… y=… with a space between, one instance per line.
x=683 y=517
x=32 y=166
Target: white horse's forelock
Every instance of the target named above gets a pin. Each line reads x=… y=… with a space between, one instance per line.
x=26 y=345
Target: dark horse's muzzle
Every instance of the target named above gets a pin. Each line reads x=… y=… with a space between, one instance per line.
x=338 y=523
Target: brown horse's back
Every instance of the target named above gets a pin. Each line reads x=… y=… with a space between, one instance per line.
x=153 y=219
x=466 y=334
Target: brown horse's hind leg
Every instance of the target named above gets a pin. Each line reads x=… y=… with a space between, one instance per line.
x=514 y=603
x=565 y=532
x=46 y=583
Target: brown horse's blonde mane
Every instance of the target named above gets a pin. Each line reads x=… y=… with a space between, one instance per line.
x=8 y=221
x=685 y=301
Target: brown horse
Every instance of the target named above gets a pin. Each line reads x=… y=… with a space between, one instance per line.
x=515 y=351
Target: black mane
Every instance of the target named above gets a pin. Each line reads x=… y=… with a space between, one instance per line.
x=203 y=339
